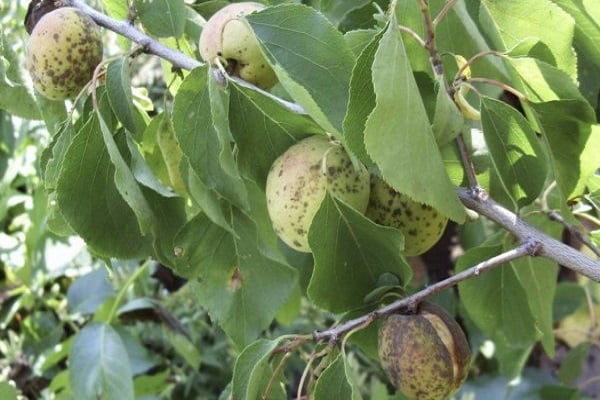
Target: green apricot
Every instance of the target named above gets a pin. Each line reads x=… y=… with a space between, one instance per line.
x=227 y=38
x=421 y=224
x=425 y=355
x=297 y=183
x=63 y=51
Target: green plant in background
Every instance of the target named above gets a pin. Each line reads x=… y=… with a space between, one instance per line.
x=140 y=253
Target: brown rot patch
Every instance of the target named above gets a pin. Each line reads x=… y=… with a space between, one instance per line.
x=235 y=280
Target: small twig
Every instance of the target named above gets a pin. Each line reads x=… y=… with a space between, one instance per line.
x=276 y=373
x=447 y=7
x=411 y=301
x=555 y=216
x=467 y=161
x=501 y=85
x=413 y=34
x=313 y=356
x=434 y=56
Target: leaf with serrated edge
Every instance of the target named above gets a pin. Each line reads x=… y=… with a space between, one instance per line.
x=361 y=102
x=398 y=134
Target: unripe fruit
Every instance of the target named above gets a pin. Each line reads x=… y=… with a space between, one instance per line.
x=227 y=38
x=421 y=225
x=64 y=49
x=297 y=183
x=425 y=355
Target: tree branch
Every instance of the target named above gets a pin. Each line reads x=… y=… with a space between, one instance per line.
x=548 y=247
x=408 y=303
x=124 y=28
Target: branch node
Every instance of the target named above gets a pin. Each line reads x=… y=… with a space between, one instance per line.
x=533 y=247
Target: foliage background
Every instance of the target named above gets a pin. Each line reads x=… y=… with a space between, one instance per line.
x=108 y=316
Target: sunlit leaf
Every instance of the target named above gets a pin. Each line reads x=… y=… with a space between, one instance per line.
x=314 y=65
x=398 y=133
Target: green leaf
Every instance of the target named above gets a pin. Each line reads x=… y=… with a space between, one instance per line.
x=335 y=382
x=125 y=181
x=351 y=252
x=543 y=82
x=89 y=291
x=398 y=134
x=252 y=370
x=118 y=88
x=572 y=366
x=259 y=122
x=336 y=10
x=53 y=155
x=515 y=151
x=14 y=95
x=99 y=366
x=448 y=121
x=162 y=18
x=496 y=301
x=457 y=33
x=587 y=44
x=7 y=391
x=574 y=143
x=509 y=22
x=569 y=297
x=184 y=347
x=88 y=198
x=361 y=102
x=241 y=288
x=201 y=245
x=313 y=65
x=199 y=119
x=170 y=151
x=358 y=39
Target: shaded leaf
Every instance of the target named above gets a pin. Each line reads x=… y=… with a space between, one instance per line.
x=252 y=371
x=241 y=288
x=88 y=198
x=260 y=123
x=198 y=119
x=496 y=301
x=99 y=366
x=89 y=291
x=515 y=151
x=118 y=88
x=351 y=252
x=335 y=382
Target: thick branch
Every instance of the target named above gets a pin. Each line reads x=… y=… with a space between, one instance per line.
x=124 y=28
x=548 y=247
